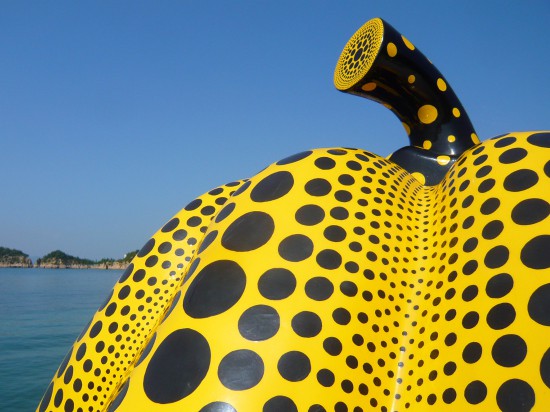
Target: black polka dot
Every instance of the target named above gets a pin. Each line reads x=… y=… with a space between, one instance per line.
x=147 y=349
x=171 y=225
x=146 y=248
x=497 y=256
x=512 y=155
x=294 y=366
x=329 y=259
x=509 y=350
x=216 y=288
x=139 y=275
x=241 y=369
x=332 y=346
x=193 y=205
x=280 y=404
x=540 y=139
x=119 y=398
x=486 y=185
x=296 y=248
x=501 y=316
x=520 y=180
x=535 y=254
x=539 y=305
x=341 y=316
x=177 y=367
x=319 y=288
x=226 y=211
x=545 y=368
x=207 y=241
x=248 y=232
x=530 y=211
x=499 y=285
x=318 y=187
x=325 y=163
x=310 y=215
x=515 y=395
x=218 y=407
x=306 y=324
x=475 y=392
x=317 y=408
x=449 y=395
x=46 y=399
x=504 y=141
x=472 y=352
x=259 y=323
x=272 y=187
x=470 y=320
x=334 y=233
x=325 y=377
x=294 y=158
x=277 y=283
x=490 y=206
x=492 y=229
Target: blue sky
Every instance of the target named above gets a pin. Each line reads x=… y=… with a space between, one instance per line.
x=115 y=114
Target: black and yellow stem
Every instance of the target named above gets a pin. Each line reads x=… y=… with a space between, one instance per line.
x=380 y=64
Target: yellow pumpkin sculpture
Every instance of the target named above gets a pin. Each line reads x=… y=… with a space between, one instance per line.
x=338 y=280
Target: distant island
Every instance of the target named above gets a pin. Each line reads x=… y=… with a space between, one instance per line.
x=57 y=259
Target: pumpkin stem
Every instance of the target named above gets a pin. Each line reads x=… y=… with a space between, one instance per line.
x=380 y=64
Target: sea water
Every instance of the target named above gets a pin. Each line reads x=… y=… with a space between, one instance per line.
x=42 y=312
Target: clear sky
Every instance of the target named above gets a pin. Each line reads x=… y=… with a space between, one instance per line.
x=115 y=114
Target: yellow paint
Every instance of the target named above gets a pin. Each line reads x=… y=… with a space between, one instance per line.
x=456 y=112
x=451 y=138
x=441 y=85
x=407 y=128
x=392 y=50
x=409 y=45
x=427 y=114
x=443 y=160
x=369 y=87
x=475 y=139
x=411 y=79
x=420 y=177
x=427 y=144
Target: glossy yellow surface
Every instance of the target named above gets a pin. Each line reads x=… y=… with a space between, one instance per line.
x=336 y=281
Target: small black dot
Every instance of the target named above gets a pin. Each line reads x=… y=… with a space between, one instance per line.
x=319 y=288
x=492 y=229
x=332 y=346
x=259 y=323
x=318 y=187
x=310 y=215
x=325 y=377
x=334 y=233
x=472 y=352
x=307 y=324
x=325 y=163
x=490 y=206
x=329 y=259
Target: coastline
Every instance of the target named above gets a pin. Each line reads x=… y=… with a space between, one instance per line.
x=104 y=266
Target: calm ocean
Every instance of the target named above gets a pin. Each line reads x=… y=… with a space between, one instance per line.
x=42 y=312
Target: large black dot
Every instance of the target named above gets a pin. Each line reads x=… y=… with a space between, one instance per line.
x=492 y=229
x=248 y=232
x=272 y=187
x=475 y=392
x=499 y=285
x=277 y=283
x=307 y=324
x=318 y=187
x=294 y=366
x=512 y=155
x=329 y=259
x=535 y=254
x=497 y=256
x=280 y=404
x=296 y=248
x=325 y=377
x=216 y=288
x=241 y=369
x=147 y=349
x=520 y=180
x=146 y=248
x=530 y=211
x=545 y=368
x=310 y=215
x=472 y=352
x=540 y=139
x=501 y=316
x=259 y=322
x=509 y=350
x=334 y=233
x=319 y=288
x=46 y=399
x=325 y=163
x=539 y=305
x=119 y=398
x=218 y=407
x=294 y=158
x=515 y=395
x=177 y=367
